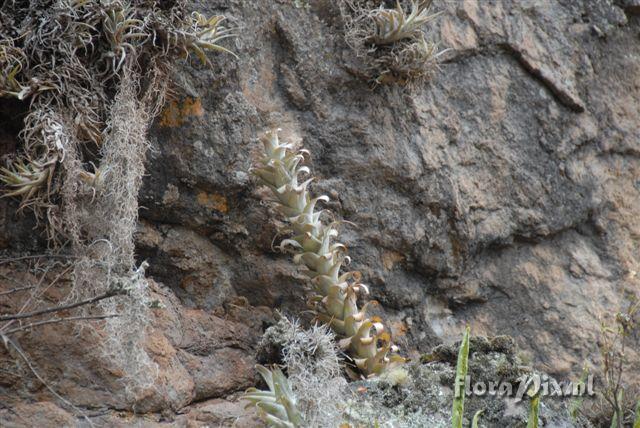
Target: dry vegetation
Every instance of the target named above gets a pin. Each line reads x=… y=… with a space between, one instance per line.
x=69 y=59
x=391 y=40
x=313 y=390
x=617 y=397
x=94 y=74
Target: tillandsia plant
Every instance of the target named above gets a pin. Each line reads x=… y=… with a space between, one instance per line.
x=26 y=179
x=309 y=357
x=391 y=42
x=277 y=406
x=335 y=293
x=393 y=25
x=408 y=63
x=208 y=34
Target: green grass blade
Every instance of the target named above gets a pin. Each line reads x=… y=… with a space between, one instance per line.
x=461 y=374
x=617 y=413
x=532 y=422
x=476 y=419
x=636 y=423
x=576 y=404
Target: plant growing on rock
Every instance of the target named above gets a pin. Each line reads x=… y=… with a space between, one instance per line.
x=310 y=360
x=93 y=75
x=614 y=339
x=391 y=43
x=393 y=25
x=206 y=36
x=534 y=410
x=277 y=406
x=68 y=59
x=335 y=293
x=476 y=419
x=26 y=179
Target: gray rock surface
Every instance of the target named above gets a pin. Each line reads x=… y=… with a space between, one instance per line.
x=504 y=194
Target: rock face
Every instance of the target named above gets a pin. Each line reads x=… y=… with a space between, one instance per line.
x=504 y=195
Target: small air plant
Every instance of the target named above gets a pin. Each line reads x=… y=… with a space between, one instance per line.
x=69 y=59
x=334 y=300
x=94 y=180
x=406 y=63
x=391 y=44
x=120 y=27
x=205 y=36
x=277 y=406
x=10 y=87
x=26 y=179
x=393 y=25
x=11 y=64
x=421 y=53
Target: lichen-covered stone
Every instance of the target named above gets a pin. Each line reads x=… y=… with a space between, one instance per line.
x=424 y=397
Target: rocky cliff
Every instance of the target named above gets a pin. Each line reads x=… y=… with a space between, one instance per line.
x=503 y=194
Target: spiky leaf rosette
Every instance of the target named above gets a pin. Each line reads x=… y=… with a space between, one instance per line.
x=393 y=25
x=393 y=44
x=277 y=406
x=314 y=245
x=24 y=179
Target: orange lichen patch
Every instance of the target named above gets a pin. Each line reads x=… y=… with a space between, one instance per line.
x=159 y=346
x=399 y=328
x=390 y=258
x=176 y=113
x=213 y=201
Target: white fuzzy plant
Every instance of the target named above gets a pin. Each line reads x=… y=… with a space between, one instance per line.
x=309 y=395
x=335 y=293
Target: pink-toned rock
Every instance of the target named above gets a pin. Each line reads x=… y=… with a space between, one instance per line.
x=41 y=414
x=219 y=372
